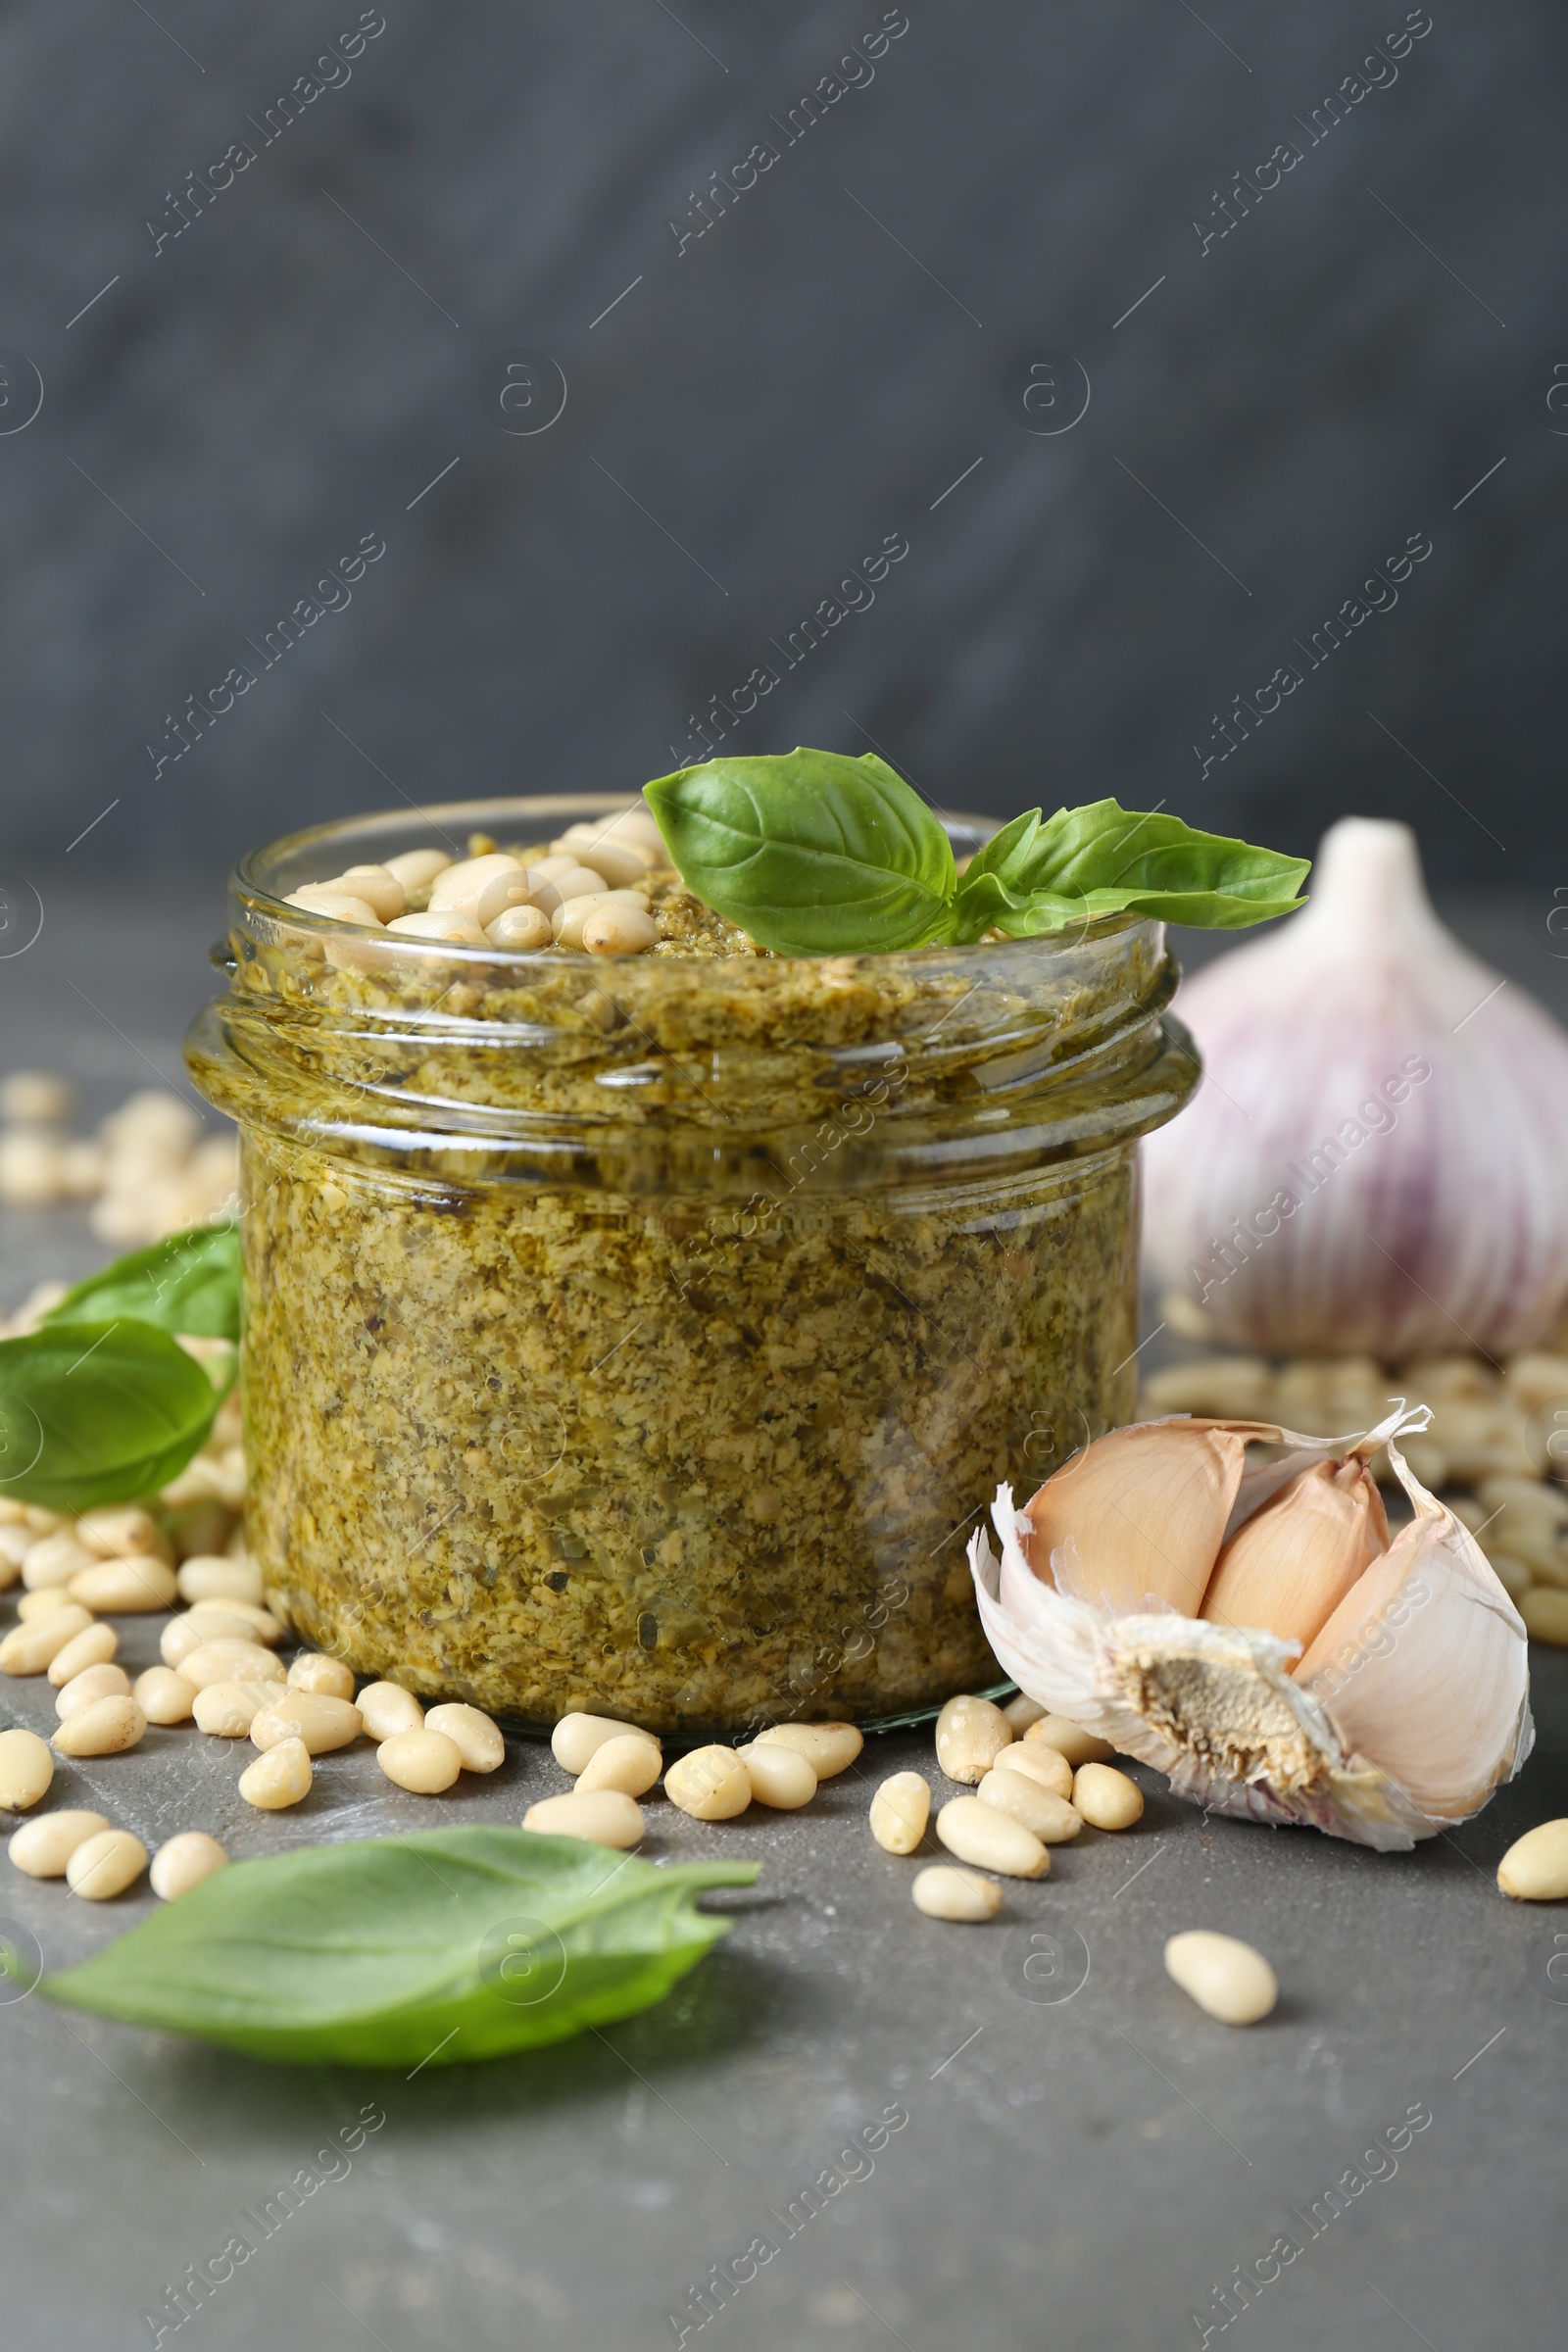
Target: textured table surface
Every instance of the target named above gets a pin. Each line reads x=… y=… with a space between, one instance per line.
x=1084 y=2157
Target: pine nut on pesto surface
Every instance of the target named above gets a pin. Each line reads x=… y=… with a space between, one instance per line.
x=640 y=1333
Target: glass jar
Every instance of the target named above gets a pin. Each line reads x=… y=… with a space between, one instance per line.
x=645 y=1335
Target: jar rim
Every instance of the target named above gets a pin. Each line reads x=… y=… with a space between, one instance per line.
x=262 y=880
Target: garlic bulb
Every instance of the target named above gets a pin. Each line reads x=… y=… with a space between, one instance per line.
x=1410 y=1703
x=1375 y=1163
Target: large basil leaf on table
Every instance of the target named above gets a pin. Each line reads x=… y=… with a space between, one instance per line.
x=436 y=1948
x=189 y=1282
x=99 y=1412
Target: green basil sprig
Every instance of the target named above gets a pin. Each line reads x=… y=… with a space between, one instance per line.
x=189 y=1282
x=814 y=853
x=100 y=1412
x=436 y=1948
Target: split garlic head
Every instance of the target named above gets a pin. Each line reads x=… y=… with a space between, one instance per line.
x=1292 y=1663
x=1376 y=1156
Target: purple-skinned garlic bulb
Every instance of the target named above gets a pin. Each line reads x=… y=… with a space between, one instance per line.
x=1378 y=1160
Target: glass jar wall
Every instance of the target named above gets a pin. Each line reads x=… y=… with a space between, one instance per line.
x=645 y=1335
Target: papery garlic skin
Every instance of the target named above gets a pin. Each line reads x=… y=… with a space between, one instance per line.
x=1376 y=1160
x=1411 y=1716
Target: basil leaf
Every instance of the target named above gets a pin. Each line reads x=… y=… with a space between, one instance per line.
x=811 y=853
x=436 y=1948
x=189 y=1282
x=1105 y=860
x=99 y=1412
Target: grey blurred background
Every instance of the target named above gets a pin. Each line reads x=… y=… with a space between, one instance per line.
x=887 y=335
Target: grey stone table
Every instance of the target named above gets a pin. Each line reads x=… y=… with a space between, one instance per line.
x=1074 y=2156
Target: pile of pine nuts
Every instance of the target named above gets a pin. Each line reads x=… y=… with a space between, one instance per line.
x=150 y=1168
x=1038 y=1781
x=589 y=891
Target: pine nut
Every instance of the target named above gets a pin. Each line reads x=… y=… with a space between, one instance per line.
x=619 y=861
x=40 y=1604
x=328 y=1678
x=43 y=1847
x=15 y=1545
x=338 y=906
x=164 y=1697
x=93 y=1682
x=36 y=1099
x=1105 y=1797
x=184 y=1862
x=94 y=1645
x=521 y=929
x=604 y=1817
x=183 y=1634
x=27 y=1768
x=227 y=1710
x=1534 y=1869
x=900 y=1811
x=423 y=1762
x=632 y=1764
x=386 y=1708
x=712 y=1783
x=575 y=1737
x=453 y=926
x=1070 y=1739
x=262 y=1625
x=128 y=1588
x=1223 y=1976
x=942 y=1892
x=31 y=1648
x=578 y=881
x=323 y=1724
x=1022 y=1712
x=828 y=1748
x=32 y=1168
x=1543 y=1610
x=1053 y=1820
x=55 y=1559
x=207 y=1577
x=416 y=869
x=377 y=886
x=613 y=930
x=980 y=1833
x=1047 y=1767
x=972 y=1734
x=279 y=1779
x=105 y=1865
x=569 y=916
x=231 y=1662
x=118 y=1530
x=105 y=1727
x=477 y=1740
x=480 y=888
x=780 y=1777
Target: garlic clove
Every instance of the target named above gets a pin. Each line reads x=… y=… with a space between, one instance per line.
x=1422 y=1666
x=1137 y=1517
x=1288 y=1568
x=1371 y=1081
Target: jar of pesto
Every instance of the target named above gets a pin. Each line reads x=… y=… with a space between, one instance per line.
x=645 y=1334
